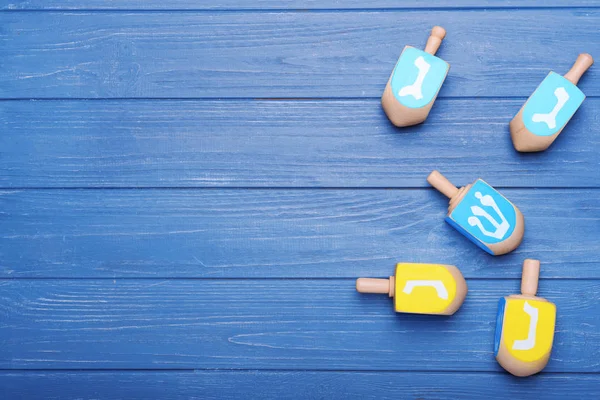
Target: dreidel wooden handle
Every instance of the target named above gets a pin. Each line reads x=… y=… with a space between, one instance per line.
x=583 y=62
x=372 y=285
x=530 y=277
x=435 y=40
x=442 y=184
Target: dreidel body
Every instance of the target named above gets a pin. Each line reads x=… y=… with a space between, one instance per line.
x=415 y=82
x=525 y=327
x=482 y=214
x=420 y=288
x=549 y=109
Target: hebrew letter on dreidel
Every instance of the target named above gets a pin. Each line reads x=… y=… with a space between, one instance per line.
x=437 y=285
x=528 y=343
x=501 y=227
x=550 y=119
x=414 y=90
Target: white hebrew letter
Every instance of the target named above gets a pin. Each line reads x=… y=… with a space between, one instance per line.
x=414 y=90
x=528 y=343
x=550 y=119
x=488 y=201
x=437 y=285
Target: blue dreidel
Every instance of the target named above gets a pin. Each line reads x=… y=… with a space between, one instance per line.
x=415 y=82
x=525 y=327
x=482 y=214
x=549 y=109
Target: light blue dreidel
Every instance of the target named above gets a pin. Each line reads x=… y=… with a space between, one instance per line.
x=549 y=109
x=415 y=82
x=482 y=214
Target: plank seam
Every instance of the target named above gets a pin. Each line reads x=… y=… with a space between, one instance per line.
x=387 y=371
x=99 y=370
x=281 y=188
x=249 y=99
x=275 y=370
x=295 y=10
x=258 y=279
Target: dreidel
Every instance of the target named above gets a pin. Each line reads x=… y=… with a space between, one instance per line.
x=420 y=288
x=525 y=327
x=482 y=214
x=549 y=109
x=415 y=82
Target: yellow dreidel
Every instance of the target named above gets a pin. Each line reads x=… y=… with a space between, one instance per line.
x=420 y=288
x=525 y=327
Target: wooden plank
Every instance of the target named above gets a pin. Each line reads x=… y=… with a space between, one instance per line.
x=278 y=233
x=277 y=54
x=293 y=5
x=270 y=324
x=345 y=143
x=266 y=385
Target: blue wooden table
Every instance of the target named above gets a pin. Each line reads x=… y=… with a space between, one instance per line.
x=189 y=189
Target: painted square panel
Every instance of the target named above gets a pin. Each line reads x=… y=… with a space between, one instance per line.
x=423 y=288
x=484 y=215
x=417 y=77
x=526 y=328
x=552 y=105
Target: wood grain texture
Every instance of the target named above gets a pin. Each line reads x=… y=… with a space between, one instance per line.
x=344 y=143
x=267 y=324
x=289 y=55
x=293 y=5
x=279 y=233
x=181 y=238
x=269 y=385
